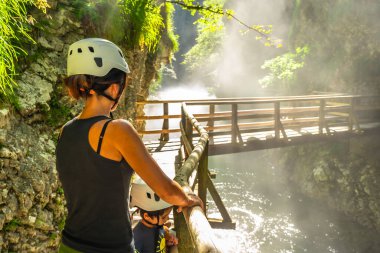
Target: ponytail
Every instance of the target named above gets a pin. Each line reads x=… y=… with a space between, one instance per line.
x=80 y=85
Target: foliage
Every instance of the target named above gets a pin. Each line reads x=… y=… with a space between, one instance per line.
x=12 y=225
x=100 y=18
x=58 y=113
x=169 y=9
x=61 y=224
x=205 y=50
x=210 y=29
x=212 y=10
x=15 y=24
x=283 y=69
x=144 y=23
x=156 y=84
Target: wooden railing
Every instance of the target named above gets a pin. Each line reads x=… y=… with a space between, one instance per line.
x=194 y=231
x=270 y=114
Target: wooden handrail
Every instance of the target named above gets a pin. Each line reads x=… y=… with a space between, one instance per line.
x=180 y=101
x=248 y=100
x=196 y=222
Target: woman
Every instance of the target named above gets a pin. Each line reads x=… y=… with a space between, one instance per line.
x=96 y=155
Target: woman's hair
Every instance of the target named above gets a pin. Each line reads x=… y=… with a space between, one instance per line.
x=80 y=85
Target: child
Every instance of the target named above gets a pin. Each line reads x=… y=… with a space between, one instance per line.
x=150 y=234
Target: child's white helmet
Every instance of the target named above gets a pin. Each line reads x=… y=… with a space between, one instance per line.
x=94 y=56
x=143 y=197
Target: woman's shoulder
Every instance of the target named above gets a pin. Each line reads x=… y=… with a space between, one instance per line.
x=121 y=125
x=122 y=129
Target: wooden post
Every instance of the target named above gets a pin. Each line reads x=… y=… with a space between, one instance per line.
x=234 y=123
x=351 y=116
x=182 y=233
x=203 y=175
x=353 y=119
x=322 y=106
x=211 y=123
x=277 y=119
x=165 y=125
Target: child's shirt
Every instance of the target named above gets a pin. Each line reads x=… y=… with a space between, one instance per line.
x=145 y=239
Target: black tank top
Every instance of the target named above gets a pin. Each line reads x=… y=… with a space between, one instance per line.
x=96 y=191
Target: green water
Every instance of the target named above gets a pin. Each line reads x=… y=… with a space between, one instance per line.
x=272 y=217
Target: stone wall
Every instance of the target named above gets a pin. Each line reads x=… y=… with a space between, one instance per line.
x=343 y=175
x=32 y=211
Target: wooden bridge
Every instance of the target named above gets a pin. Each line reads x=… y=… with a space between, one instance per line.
x=232 y=125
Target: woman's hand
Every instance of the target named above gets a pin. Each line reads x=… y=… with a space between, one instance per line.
x=193 y=200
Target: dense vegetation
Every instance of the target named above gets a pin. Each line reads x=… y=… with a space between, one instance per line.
x=15 y=25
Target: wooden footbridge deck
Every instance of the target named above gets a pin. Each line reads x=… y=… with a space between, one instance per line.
x=190 y=131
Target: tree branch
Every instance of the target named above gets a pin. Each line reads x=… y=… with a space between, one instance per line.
x=219 y=11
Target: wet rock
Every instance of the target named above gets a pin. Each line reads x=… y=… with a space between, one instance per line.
x=348 y=180
x=44 y=221
x=2 y=221
x=34 y=93
x=13 y=237
x=7 y=153
x=44 y=43
x=320 y=175
x=4 y=118
x=38 y=185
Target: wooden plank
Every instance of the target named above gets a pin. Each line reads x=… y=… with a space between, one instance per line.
x=221 y=224
x=228 y=148
x=234 y=123
x=159 y=131
x=157 y=117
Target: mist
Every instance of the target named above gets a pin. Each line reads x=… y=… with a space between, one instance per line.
x=343 y=37
x=243 y=55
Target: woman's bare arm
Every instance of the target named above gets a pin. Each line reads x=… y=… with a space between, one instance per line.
x=131 y=147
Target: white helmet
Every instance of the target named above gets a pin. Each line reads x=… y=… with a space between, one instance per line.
x=95 y=57
x=143 y=197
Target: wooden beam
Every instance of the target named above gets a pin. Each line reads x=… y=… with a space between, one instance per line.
x=218 y=200
x=234 y=123
x=321 y=115
x=277 y=120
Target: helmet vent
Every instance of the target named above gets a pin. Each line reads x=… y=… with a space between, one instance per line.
x=148 y=195
x=71 y=52
x=79 y=50
x=121 y=54
x=156 y=198
x=98 y=61
x=91 y=49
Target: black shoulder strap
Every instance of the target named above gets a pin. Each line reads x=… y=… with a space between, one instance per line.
x=102 y=135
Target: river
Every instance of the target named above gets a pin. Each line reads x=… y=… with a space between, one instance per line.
x=271 y=217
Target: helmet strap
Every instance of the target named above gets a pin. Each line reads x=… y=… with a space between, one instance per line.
x=115 y=100
x=154 y=225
